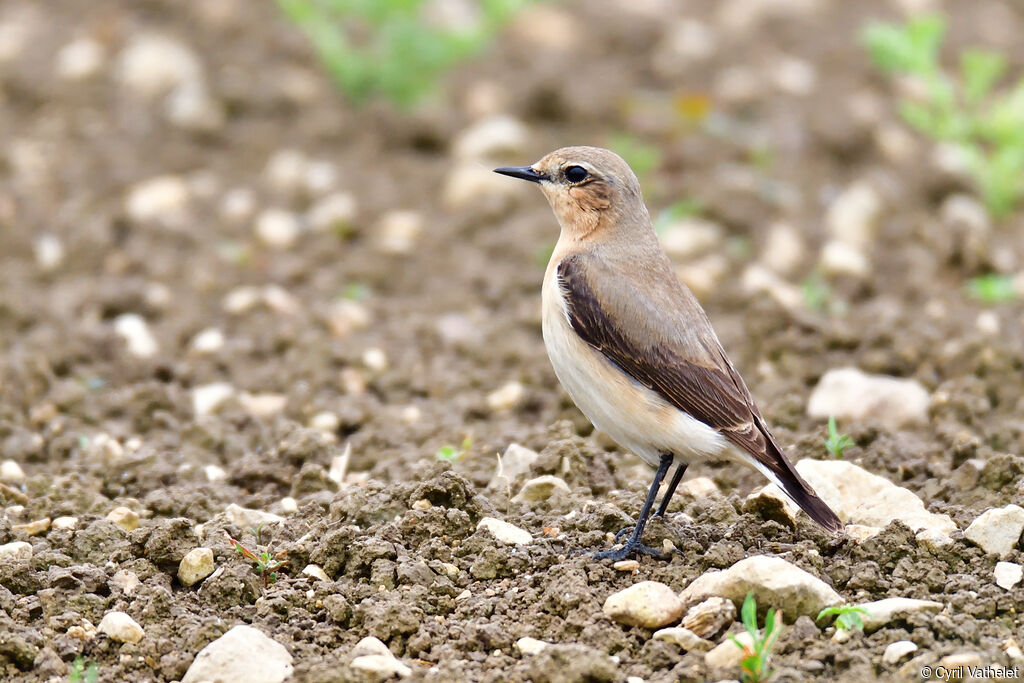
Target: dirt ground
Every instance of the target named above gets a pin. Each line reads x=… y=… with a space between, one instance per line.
x=339 y=337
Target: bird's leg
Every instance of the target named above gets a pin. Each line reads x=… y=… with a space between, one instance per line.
x=634 y=544
x=676 y=477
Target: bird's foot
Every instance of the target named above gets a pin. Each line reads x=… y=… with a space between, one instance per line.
x=630 y=547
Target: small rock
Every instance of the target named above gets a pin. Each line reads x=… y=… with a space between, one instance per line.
x=495 y=137
x=422 y=504
x=853 y=216
x=34 y=528
x=153 y=64
x=207 y=398
x=1008 y=574
x=286 y=170
x=242 y=299
x=881 y=612
x=84 y=631
x=862 y=532
x=11 y=473
x=769 y=502
x=698 y=487
x=17 y=551
x=840 y=258
x=384 y=666
x=684 y=638
x=757 y=279
x=987 y=323
x=242 y=655
x=517 y=460
x=710 y=617
x=237 y=205
x=214 y=473
x=64 y=523
x=505 y=532
x=133 y=329
x=773 y=581
x=783 y=251
x=690 y=237
x=398 y=231
x=289 y=505
x=794 y=76
x=210 y=340
x=531 y=646
x=894 y=652
x=471 y=185
x=278 y=228
x=727 y=655
x=49 y=252
x=195 y=566
x=334 y=212
x=263 y=405
x=325 y=421
x=339 y=465
x=126 y=581
x=626 y=566
x=370 y=646
x=120 y=627
x=507 y=397
x=961 y=661
x=933 y=539
x=80 y=59
x=279 y=300
x=161 y=199
x=320 y=177
x=244 y=518
x=190 y=106
x=997 y=531
x=125 y=518
x=704 y=274
x=649 y=604
x=848 y=393
x=316 y=572
x=345 y=317
x=540 y=488
x=375 y=359
x=685 y=42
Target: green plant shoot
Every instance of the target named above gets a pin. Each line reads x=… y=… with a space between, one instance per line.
x=754 y=666
x=848 y=617
x=82 y=673
x=993 y=288
x=836 y=443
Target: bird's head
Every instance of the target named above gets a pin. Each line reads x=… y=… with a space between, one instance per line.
x=591 y=190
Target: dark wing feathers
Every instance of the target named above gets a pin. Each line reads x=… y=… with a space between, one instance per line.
x=687 y=367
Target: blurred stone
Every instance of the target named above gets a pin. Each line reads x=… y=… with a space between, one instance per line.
x=540 y=488
x=319 y=177
x=398 y=231
x=880 y=612
x=64 y=523
x=375 y=359
x=632 y=566
x=339 y=465
x=704 y=274
x=515 y=461
x=685 y=42
x=242 y=655
x=783 y=251
x=190 y=106
x=214 y=473
x=314 y=571
x=382 y=666
x=11 y=473
x=242 y=299
x=285 y=171
x=648 y=604
x=472 y=185
x=894 y=652
x=759 y=280
x=698 y=487
x=895 y=143
x=684 y=638
x=346 y=316
x=495 y=137
x=485 y=98
x=531 y=646
x=709 y=618
x=997 y=531
x=15 y=32
x=263 y=405
x=737 y=85
x=33 y=528
x=848 y=393
x=104 y=447
x=289 y=505
x=1008 y=574
x=690 y=237
x=794 y=76
x=153 y=64
x=853 y=216
x=987 y=323
x=325 y=421
x=17 y=551
x=966 y=213
x=120 y=627
x=245 y=518
x=336 y=211
x=769 y=502
x=547 y=27
x=727 y=655
x=207 y=398
x=160 y=200
x=195 y=566
x=456 y=329
x=136 y=333
x=278 y=228
x=125 y=518
x=505 y=532
x=841 y=258
x=210 y=340
x=506 y=397
x=49 y=252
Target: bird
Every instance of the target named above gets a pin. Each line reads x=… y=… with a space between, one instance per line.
x=633 y=347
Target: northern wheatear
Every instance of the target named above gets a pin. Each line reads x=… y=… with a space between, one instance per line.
x=632 y=345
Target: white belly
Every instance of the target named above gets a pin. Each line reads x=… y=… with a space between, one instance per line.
x=636 y=417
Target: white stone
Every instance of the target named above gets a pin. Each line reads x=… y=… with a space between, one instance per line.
x=125 y=518
x=894 y=652
x=540 y=488
x=126 y=581
x=398 y=231
x=137 y=336
x=325 y=421
x=242 y=299
x=683 y=638
x=505 y=532
x=998 y=530
x=214 y=473
x=685 y=42
x=278 y=228
x=860 y=497
x=208 y=398
x=237 y=205
x=245 y=518
x=336 y=210
x=1008 y=574
x=11 y=473
x=516 y=460
x=771 y=497
x=964 y=211
x=648 y=604
x=120 y=627
x=457 y=329
x=210 y=340
x=370 y=646
x=784 y=250
x=104 y=447
x=346 y=316
x=774 y=583
x=190 y=106
x=382 y=665
x=17 y=551
x=263 y=405
x=506 y=397
x=710 y=617
x=531 y=646
x=195 y=566
x=285 y=171
x=794 y=76
x=880 y=612
x=153 y=64
x=727 y=655
x=933 y=539
x=316 y=572
x=339 y=465
x=757 y=279
x=375 y=359
x=65 y=523
x=690 y=237
x=704 y=274
x=852 y=217
x=850 y=394
x=49 y=252
x=279 y=300
x=471 y=185
x=320 y=176
x=242 y=655
x=289 y=505
x=841 y=258
x=162 y=199
x=493 y=137
x=862 y=532
x=14 y=35
x=698 y=487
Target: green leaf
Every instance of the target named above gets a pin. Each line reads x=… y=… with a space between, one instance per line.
x=993 y=288
x=979 y=70
x=748 y=615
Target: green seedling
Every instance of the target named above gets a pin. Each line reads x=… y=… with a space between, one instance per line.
x=836 y=443
x=82 y=672
x=986 y=126
x=754 y=665
x=452 y=454
x=393 y=48
x=265 y=563
x=848 y=617
x=817 y=294
x=993 y=288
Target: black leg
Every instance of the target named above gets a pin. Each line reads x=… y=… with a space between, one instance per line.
x=634 y=544
x=676 y=478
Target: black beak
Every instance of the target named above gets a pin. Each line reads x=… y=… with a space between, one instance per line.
x=522 y=172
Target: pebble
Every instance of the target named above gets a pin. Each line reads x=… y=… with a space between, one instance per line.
x=208 y=398
x=263 y=405
x=316 y=572
x=698 y=487
x=325 y=421
x=385 y=666
x=289 y=505
x=375 y=359
x=245 y=518
x=881 y=612
x=626 y=566
x=153 y=64
x=125 y=518
x=11 y=473
x=794 y=76
x=80 y=59
x=515 y=461
x=685 y=42
x=398 y=231
x=997 y=531
x=690 y=237
x=853 y=215
x=162 y=199
x=278 y=228
x=195 y=566
x=285 y=170
x=190 y=106
x=370 y=646
x=242 y=299
x=684 y=638
x=33 y=528
x=894 y=652
x=649 y=604
x=860 y=497
x=471 y=185
x=214 y=473
x=727 y=655
x=531 y=646
x=336 y=211
x=769 y=502
x=850 y=394
x=783 y=250
x=757 y=279
x=136 y=333
x=126 y=581
x=208 y=341
x=841 y=258
x=346 y=316
x=49 y=252
x=505 y=532
x=966 y=213
x=773 y=581
x=242 y=655
x=494 y=137
x=237 y=205
x=120 y=627
x=506 y=397
x=64 y=523
x=1008 y=574
x=709 y=618
x=16 y=551
x=540 y=488
x=961 y=661
x=339 y=465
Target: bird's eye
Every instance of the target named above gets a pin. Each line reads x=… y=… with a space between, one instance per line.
x=576 y=174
